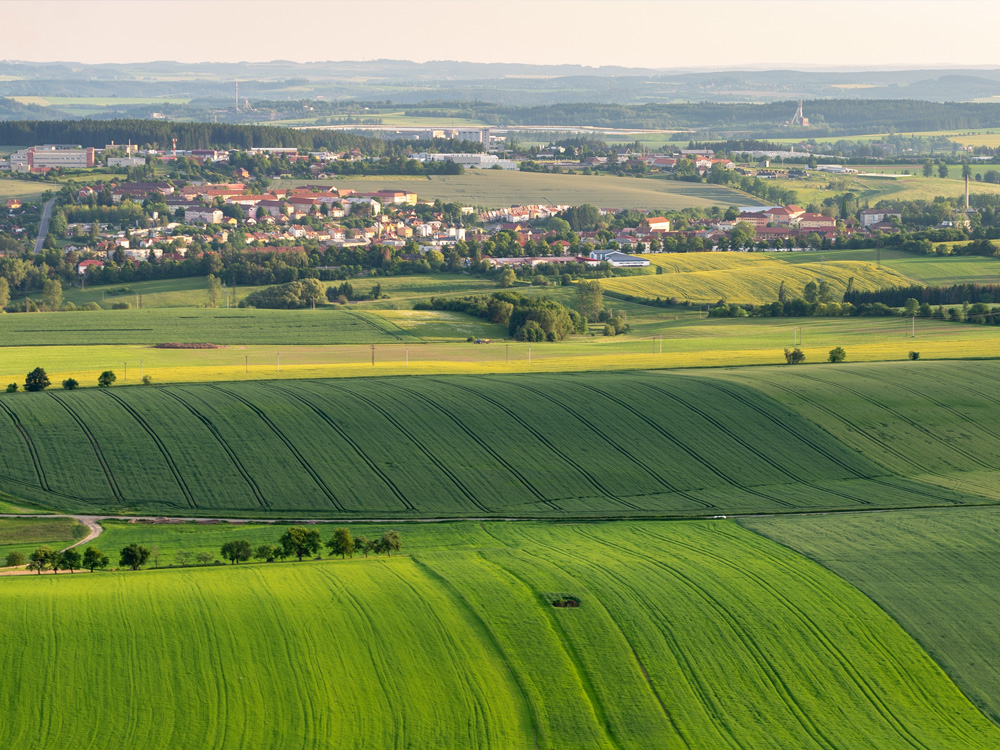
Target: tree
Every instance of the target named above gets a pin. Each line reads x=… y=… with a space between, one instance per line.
x=300 y=541
x=341 y=543
x=52 y=293
x=70 y=384
x=266 y=552
x=134 y=556
x=838 y=354
x=910 y=307
x=914 y=356
x=942 y=170
x=16 y=559
x=782 y=294
x=93 y=559
x=70 y=559
x=4 y=293
x=205 y=558
x=237 y=551
x=363 y=544
x=390 y=542
x=40 y=559
x=794 y=356
x=589 y=300
x=182 y=556
x=811 y=292
x=12 y=387
x=36 y=380
x=214 y=290
x=507 y=278
x=742 y=236
x=966 y=170
x=928 y=168
x=106 y=379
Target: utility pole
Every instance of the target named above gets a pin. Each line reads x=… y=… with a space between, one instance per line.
x=529 y=354
x=407 y=355
x=277 y=361
x=140 y=369
x=661 y=343
x=913 y=330
x=126 y=370
x=246 y=364
x=373 y=355
x=506 y=354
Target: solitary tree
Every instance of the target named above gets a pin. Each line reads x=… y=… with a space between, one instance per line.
x=942 y=170
x=70 y=559
x=341 y=543
x=214 y=290
x=40 y=559
x=93 y=559
x=16 y=558
x=266 y=552
x=134 y=556
x=106 y=379
x=237 y=551
x=910 y=307
x=70 y=384
x=182 y=556
x=390 y=542
x=36 y=380
x=52 y=293
x=589 y=301
x=205 y=558
x=300 y=541
x=838 y=354
x=507 y=277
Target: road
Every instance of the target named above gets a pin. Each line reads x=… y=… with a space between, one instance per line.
x=43 y=226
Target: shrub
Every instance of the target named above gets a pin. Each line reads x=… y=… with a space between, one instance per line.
x=914 y=355
x=291 y=296
x=838 y=354
x=92 y=306
x=12 y=387
x=794 y=356
x=16 y=558
x=120 y=306
x=147 y=379
x=70 y=384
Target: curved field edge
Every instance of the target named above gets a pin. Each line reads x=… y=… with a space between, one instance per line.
x=639 y=444
x=933 y=571
x=696 y=634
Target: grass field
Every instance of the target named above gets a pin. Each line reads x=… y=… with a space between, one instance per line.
x=922 y=269
x=25 y=534
x=495 y=189
x=701 y=635
x=753 y=278
x=27 y=190
x=641 y=444
x=934 y=572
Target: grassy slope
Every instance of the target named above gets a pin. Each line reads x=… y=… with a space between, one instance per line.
x=697 y=634
x=922 y=269
x=25 y=534
x=753 y=283
x=933 y=571
x=494 y=189
x=544 y=446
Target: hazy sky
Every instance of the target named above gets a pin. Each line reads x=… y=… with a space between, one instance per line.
x=649 y=33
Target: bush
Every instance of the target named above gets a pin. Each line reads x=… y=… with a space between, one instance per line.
x=70 y=384
x=838 y=354
x=147 y=379
x=120 y=305
x=794 y=356
x=914 y=355
x=92 y=306
x=15 y=559
x=291 y=296
x=12 y=387
x=106 y=379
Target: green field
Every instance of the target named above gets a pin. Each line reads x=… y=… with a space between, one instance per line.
x=324 y=325
x=25 y=534
x=587 y=445
x=701 y=635
x=934 y=572
x=753 y=278
x=922 y=269
x=26 y=190
x=497 y=189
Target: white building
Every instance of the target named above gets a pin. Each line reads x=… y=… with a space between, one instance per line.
x=619 y=259
x=126 y=161
x=51 y=156
x=207 y=215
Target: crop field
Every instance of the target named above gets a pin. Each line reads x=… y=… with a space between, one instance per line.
x=191 y=292
x=592 y=445
x=662 y=339
x=933 y=571
x=753 y=279
x=696 y=634
x=925 y=421
x=922 y=269
x=25 y=534
x=496 y=189
x=218 y=326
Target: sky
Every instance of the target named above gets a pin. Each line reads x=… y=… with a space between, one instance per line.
x=668 y=34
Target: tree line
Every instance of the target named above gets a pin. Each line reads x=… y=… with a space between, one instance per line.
x=296 y=541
